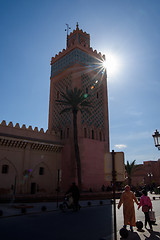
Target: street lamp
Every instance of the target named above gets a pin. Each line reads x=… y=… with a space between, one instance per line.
x=150 y=175
x=156 y=137
x=114 y=191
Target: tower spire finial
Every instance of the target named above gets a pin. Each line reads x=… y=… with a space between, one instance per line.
x=77 y=25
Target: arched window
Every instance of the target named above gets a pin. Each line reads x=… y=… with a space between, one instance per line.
x=103 y=137
x=100 y=136
x=64 y=134
x=97 y=95
x=5 y=169
x=61 y=134
x=67 y=132
x=92 y=134
x=57 y=94
x=41 y=171
x=85 y=132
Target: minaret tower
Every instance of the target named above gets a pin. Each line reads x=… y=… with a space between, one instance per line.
x=79 y=66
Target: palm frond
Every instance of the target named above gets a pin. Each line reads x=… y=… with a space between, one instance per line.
x=86 y=104
x=75 y=100
x=129 y=167
x=65 y=110
x=66 y=96
x=62 y=102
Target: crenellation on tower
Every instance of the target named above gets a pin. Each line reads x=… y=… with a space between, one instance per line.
x=36 y=129
x=42 y=130
x=23 y=126
x=30 y=128
x=89 y=50
x=10 y=124
x=17 y=125
x=3 y=123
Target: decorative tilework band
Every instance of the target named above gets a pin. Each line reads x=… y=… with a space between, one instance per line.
x=75 y=56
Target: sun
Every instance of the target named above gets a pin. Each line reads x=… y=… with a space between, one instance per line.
x=112 y=64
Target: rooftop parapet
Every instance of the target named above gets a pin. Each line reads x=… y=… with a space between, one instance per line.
x=90 y=51
x=29 y=132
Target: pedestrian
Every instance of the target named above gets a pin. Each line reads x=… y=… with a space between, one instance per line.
x=146 y=204
x=74 y=190
x=103 y=188
x=127 y=199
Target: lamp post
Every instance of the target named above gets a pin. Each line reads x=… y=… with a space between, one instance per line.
x=114 y=189
x=156 y=137
x=150 y=175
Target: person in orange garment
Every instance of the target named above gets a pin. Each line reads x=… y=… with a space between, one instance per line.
x=127 y=199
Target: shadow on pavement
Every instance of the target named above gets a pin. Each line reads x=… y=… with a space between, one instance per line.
x=153 y=236
x=132 y=236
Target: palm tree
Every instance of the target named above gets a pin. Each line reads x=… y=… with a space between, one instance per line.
x=75 y=100
x=129 y=169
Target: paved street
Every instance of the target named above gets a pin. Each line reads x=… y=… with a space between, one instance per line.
x=93 y=222
x=88 y=223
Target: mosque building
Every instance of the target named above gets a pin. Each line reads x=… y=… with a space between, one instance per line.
x=36 y=162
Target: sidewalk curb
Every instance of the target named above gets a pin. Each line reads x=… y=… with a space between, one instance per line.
x=47 y=211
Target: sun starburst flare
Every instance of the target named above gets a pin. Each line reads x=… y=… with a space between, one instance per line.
x=111 y=64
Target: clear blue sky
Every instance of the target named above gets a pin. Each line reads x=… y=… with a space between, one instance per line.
x=33 y=31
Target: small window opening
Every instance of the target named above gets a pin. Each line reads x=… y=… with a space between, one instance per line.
x=85 y=132
x=92 y=134
x=97 y=95
x=58 y=95
x=67 y=132
x=41 y=171
x=61 y=136
x=5 y=169
x=100 y=136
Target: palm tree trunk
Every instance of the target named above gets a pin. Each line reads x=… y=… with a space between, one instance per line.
x=76 y=148
x=129 y=181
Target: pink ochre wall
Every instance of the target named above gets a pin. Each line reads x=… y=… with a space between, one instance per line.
x=92 y=164
x=92 y=160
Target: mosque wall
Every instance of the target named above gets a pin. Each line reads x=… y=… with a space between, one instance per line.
x=29 y=160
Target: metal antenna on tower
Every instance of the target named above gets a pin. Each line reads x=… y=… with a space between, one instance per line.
x=67 y=29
